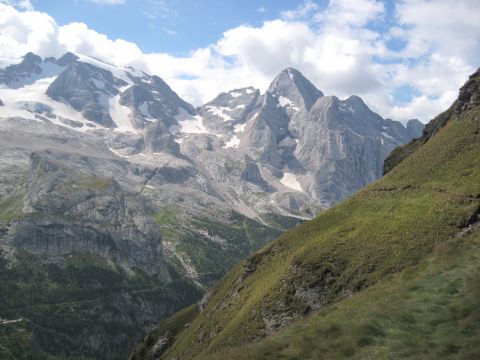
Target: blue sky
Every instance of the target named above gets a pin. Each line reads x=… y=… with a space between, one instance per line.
x=179 y=26
x=175 y=26
x=405 y=58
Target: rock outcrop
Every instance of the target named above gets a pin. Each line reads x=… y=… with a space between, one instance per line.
x=68 y=212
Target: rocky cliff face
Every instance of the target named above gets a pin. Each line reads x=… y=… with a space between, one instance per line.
x=84 y=87
x=67 y=211
x=13 y=75
x=320 y=145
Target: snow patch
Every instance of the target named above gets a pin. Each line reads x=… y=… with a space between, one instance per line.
x=239 y=128
x=36 y=92
x=219 y=111
x=188 y=123
x=233 y=142
x=290 y=180
x=120 y=114
x=235 y=94
x=48 y=70
x=285 y=102
x=252 y=119
x=388 y=136
x=249 y=91
x=118 y=72
x=241 y=106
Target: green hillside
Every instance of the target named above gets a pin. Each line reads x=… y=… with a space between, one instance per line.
x=429 y=311
x=367 y=250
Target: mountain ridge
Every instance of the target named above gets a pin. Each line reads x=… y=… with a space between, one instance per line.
x=390 y=226
x=233 y=148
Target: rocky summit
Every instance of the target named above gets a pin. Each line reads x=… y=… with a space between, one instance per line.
x=106 y=170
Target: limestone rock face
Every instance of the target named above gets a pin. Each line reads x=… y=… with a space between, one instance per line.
x=227 y=110
x=84 y=87
x=414 y=128
x=68 y=211
x=156 y=139
x=15 y=74
x=251 y=173
x=331 y=147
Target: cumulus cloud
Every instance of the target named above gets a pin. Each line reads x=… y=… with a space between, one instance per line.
x=421 y=106
x=339 y=47
x=21 y=32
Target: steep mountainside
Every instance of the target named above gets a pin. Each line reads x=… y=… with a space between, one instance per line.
x=347 y=256
x=427 y=312
x=157 y=199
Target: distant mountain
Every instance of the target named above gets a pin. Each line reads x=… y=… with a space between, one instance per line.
x=388 y=273
x=106 y=170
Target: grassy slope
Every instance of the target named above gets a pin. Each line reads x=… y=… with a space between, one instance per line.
x=383 y=229
x=239 y=237
x=429 y=311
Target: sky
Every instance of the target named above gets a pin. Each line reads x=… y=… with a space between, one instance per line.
x=405 y=58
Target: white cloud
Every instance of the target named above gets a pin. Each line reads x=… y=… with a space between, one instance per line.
x=442 y=48
x=421 y=106
x=21 y=32
x=451 y=28
x=341 y=13
x=334 y=46
x=304 y=10
x=80 y=39
x=261 y=9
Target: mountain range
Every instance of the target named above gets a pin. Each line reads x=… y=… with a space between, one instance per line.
x=120 y=200
x=389 y=273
